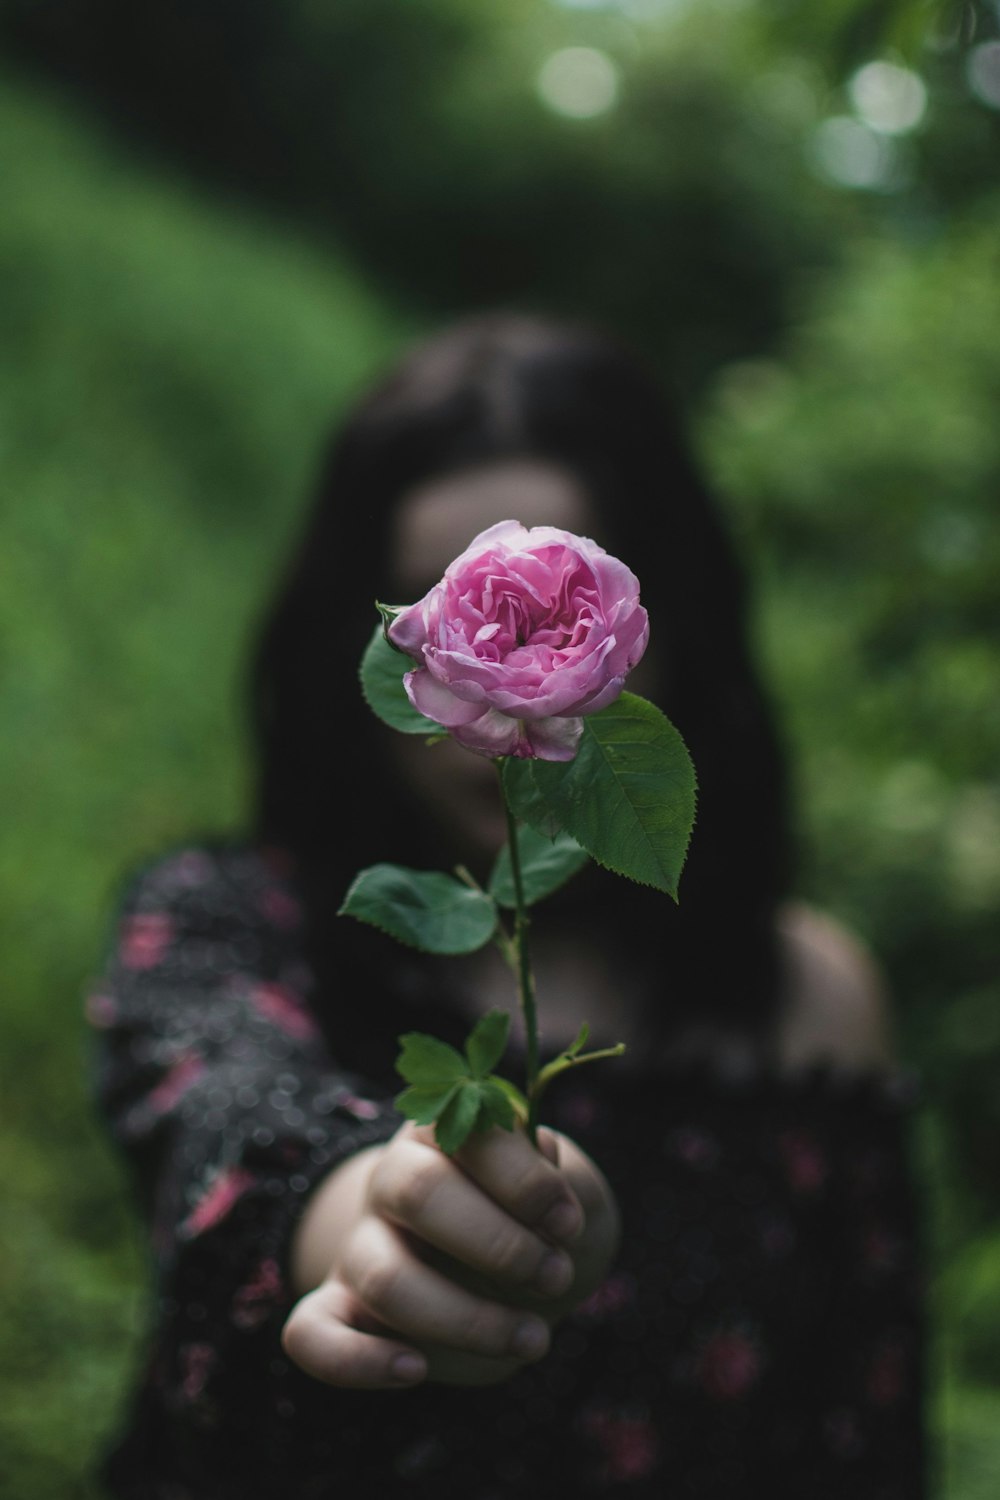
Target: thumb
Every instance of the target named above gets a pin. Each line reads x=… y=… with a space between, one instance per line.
x=548 y=1145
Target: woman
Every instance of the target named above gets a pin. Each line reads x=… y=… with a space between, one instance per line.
x=340 y=1304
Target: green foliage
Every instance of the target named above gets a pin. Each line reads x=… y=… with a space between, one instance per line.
x=426 y=909
x=487 y=1041
x=574 y=1056
x=460 y=1094
x=851 y=31
x=972 y=1291
x=627 y=797
x=427 y=1062
x=863 y=469
x=546 y=864
x=382 y=671
x=678 y=215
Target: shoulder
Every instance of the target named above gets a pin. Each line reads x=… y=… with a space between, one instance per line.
x=836 y=1005
x=227 y=878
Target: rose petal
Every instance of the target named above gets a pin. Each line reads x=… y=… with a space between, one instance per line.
x=607 y=694
x=631 y=635
x=540 y=694
x=409 y=630
x=493 y=734
x=554 y=739
x=436 y=701
x=501 y=534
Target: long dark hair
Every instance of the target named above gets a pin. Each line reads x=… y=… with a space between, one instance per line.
x=502 y=387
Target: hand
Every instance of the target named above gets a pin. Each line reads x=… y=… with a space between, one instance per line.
x=418 y=1265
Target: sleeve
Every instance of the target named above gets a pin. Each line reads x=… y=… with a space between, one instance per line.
x=215 y=1081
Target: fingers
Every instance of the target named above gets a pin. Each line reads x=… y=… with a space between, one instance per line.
x=390 y=1315
x=548 y=1145
x=399 y=1290
x=417 y=1188
x=322 y=1337
x=524 y=1182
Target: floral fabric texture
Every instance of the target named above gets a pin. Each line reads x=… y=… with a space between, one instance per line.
x=759 y=1336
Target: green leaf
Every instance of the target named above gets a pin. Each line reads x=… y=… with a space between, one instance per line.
x=513 y=1093
x=546 y=864
x=388 y=613
x=458 y=1118
x=577 y=1044
x=426 y=909
x=628 y=797
x=485 y=1045
x=382 y=672
x=423 y=1104
x=495 y=1107
x=429 y=1063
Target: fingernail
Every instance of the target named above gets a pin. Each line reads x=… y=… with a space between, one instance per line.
x=530 y=1340
x=408 y=1368
x=554 y=1274
x=563 y=1222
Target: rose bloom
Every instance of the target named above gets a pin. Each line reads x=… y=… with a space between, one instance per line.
x=526 y=632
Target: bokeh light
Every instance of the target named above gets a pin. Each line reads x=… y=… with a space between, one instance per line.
x=888 y=98
x=854 y=155
x=579 y=82
x=982 y=73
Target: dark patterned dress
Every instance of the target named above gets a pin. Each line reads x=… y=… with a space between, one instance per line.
x=760 y=1335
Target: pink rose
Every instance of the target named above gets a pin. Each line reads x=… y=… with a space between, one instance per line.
x=526 y=632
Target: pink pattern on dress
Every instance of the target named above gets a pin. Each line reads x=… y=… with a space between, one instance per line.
x=805 y=1162
x=629 y=1444
x=728 y=1366
x=185 y=1071
x=284 y=1008
x=886 y=1378
x=280 y=909
x=253 y=1301
x=611 y=1297
x=101 y=1011
x=144 y=939
x=280 y=860
x=213 y=1206
x=696 y=1148
x=196 y=1362
x=361 y=1109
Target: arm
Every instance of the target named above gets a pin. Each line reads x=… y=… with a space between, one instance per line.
x=415 y=1264
x=218 y=1088
x=836 y=1004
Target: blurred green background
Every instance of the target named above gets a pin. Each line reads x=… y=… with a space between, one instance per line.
x=219 y=220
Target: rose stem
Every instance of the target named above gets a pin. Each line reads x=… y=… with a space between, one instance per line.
x=525 y=979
